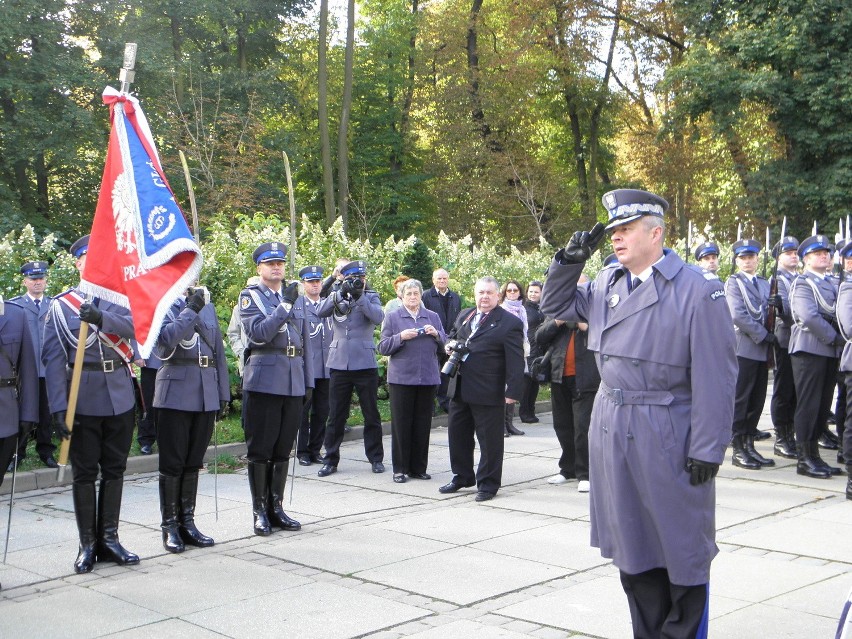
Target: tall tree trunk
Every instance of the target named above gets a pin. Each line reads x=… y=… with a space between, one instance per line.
x=477 y=111
x=42 y=195
x=343 y=131
x=322 y=114
x=579 y=154
x=177 y=56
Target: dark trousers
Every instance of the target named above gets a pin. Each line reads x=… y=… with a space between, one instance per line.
x=443 y=400
x=43 y=431
x=783 y=404
x=314 y=417
x=814 y=376
x=486 y=422
x=750 y=395
x=660 y=609
x=411 y=421
x=366 y=384
x=572 y=413
x=101 y=443
x=271 y=425
x=7 y=451
x=840 y=406
x=846 y=444
x=147 y=430
x=529 y=394
x=183 y=437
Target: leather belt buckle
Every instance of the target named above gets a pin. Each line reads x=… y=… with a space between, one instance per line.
x=291 y=351
x=109 y=366
x=204 y=361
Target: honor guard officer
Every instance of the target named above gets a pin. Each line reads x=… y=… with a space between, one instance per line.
x=747 y=295
x=707 y=257
x=355 y=311
x=277 y=378
x=815 y=345
x=192 y=386
x=662 y=335
x=36 y=304
x=315 y=411
x=844 y=320
x=103 y=424
x=783 y=402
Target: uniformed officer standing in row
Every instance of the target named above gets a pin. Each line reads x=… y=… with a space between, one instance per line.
x=355 y=311
x=815 y=345
x=747 y=294
x=664 y=342
x=36 y=304
x=315 y=412
x=192 y=386
x=707 y=257
x=103 y=424
x=277 y=379
x=844 y=320
x=18 y=382
x=783 y=402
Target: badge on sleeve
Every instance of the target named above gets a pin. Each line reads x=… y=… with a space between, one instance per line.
x=717 y=294
x=245 y=302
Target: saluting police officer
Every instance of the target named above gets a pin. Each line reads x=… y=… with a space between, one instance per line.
x=815 y=345
x=192 y=385
x=103 y=424
x=844 y=320
x=277 y=378
x=355 y=312
x=36 y=303
x=665 y=350
x=747 y=294
x=707 y=257
x=783 y=404
x=315 y=411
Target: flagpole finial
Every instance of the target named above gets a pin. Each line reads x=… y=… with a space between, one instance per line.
x=127 y=68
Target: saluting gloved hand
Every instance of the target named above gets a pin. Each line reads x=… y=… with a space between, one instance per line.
x=776 y=301
x=223 y=410
x=290 y=293
x=24 y=430
x=91 y=314
x=700 y=472
x=59 y=426
x=770 y=339
x=196 y=301
x=309 y=394
x=582 y=245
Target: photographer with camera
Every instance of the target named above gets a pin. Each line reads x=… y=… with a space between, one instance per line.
x=411 y=337
x=356 y=311
x=486 y=367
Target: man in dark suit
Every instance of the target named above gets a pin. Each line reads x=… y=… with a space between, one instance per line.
x=490 y=376
x=447 y=304
x=36 y=305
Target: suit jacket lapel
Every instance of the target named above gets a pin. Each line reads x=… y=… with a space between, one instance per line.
x=630 y=303
x=490 y=323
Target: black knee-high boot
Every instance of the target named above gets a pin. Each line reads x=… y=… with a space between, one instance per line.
x=85 y=508
x=169 y=491
x=258 y=475
x=188 y=531
x=277 y=516
x=109 y=510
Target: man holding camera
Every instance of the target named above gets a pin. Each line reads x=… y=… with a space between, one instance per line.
x=355 y=311
x=486 y=368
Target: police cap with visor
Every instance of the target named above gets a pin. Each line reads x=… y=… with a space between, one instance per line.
x=270 y=252
x=705 y=249
x=746 y=247
x=309 y=273
x=34 y=270
x=626 y=205
x=354 y=269
x=786 y=243
x=80 y=247
x=815 y=243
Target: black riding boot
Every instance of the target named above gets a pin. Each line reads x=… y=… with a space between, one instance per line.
x=169 y=491
x=188 y=532
x=741 y=456
x=509 y=416
x=785 y=441
x=258 y=475
x=808 y=452
x=109 y=509
x=756 y=456
x=83 y=493
x=277 y=516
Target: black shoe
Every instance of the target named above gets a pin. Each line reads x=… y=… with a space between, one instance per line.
x=756 y=456
x=828 y=441
x=378 y=467
x=514 y=431
x=741 y=457
x=11 y=465
x=146 y=449
x=326 y=470
x=399 y=478
x=762 y=434
x=808 y=465
x=420 y=476
x=316 y=459
x=304 y=461
x=483 y=496
x=347 y=429
x=530 y=420
x=50 y=462
x=452 y=487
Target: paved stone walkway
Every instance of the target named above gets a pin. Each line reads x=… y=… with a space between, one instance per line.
x=383 y=560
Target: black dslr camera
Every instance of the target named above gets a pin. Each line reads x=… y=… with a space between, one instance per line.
x=352 y=287
x=459 y=352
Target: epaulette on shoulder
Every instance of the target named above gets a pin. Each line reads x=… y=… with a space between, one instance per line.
x=707 y=275
x=63 y=294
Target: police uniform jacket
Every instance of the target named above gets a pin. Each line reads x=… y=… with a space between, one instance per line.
x=812 y=300
x=415 y=361
x=783 y=319
x=667 y=359
x=18 y=372
x=844 y=319
x=102 y=393
x=35 y=321
x=747 y=303
x=194 y=374
x=494 y=369
x=432 y=300
x=352 y=346
x=278 y=353
x=320 y=332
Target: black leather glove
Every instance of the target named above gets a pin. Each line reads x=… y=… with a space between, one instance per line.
x=776 y=301
x=91 y=314
x=24 y=430
x=223 y=410
x=700 y=472
x=345 y=289
x=582 y=245
x=309 y=395
x=195 y=302
x=357 y=289
x=291 y=293
x=59 y=426
x=770 y=339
